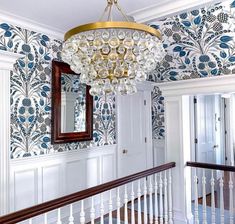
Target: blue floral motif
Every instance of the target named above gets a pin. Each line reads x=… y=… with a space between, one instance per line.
x=31 y=96
x=199 y=43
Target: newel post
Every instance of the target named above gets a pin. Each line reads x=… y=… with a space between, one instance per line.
x=7 y=60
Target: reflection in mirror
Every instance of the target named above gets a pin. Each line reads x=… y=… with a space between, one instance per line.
x=73 y=104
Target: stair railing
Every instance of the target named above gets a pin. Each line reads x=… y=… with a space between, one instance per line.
x=211 y=183
x=144 y=197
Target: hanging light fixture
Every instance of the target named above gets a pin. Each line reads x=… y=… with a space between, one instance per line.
x=112 y=56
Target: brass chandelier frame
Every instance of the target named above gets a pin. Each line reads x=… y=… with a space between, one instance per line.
x=112 y=24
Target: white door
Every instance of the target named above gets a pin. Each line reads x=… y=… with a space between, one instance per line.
x=132 y=122
x=209 y=145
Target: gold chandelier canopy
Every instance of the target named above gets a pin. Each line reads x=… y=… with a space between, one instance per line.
x=112 y=56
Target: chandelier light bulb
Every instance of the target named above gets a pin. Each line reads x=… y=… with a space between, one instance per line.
x=112 y=56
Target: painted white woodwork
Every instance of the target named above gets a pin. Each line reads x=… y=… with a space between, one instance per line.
x=58 y=216
x=125 y=205
x=145 y=203
x=207 y=85
x=71 y=218
x=170 y=197
x=92 y=212
x=204 y=213
x=110 y=207
x=7 y=59
x=134 y=131
x=196 y=220
x=38 y=179
x=132 y=204
x=101 y=209
x=212 y=197
x=45 y=219
x=208 y=134
x=160 y=199
x=118 y=206
x=82 y=213
x=155 y=199
x=151 y=200
x=231 y=204
x=221 y=199
x=139 y=203
x=177 y=124
x=163 y=9
x=159 y=151
x=165 y=199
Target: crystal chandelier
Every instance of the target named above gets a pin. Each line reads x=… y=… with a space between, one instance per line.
x=112 y=56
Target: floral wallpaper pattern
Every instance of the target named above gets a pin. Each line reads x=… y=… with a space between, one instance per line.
x=31 y=96
x=199 y=44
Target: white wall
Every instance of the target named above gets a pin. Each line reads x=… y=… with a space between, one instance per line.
x=38 y=179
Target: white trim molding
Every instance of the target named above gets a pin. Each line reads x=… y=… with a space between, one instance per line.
x=217 y=84
x=7 y=59
x=177 y=128
x=31 y=25
x=166 y=9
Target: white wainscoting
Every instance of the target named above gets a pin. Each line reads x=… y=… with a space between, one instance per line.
x=42 y=178
x=159 y=151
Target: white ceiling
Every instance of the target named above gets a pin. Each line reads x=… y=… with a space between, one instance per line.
x=58 y=16
x=65 y=14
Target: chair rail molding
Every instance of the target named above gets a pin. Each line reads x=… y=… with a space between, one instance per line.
x=177 y=128
x=167 y=8
x=7 y=59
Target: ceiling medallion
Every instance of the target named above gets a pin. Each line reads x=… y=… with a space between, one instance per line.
x=112 y=56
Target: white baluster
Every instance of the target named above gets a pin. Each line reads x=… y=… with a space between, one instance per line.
x=45 y=219
x=161 y=201
x=170 y=197
x=30 y=221
x=92 y=212
x=82 y=213
x=165 y=200
x=230 y=198
x=101 y=209
x=145 y=203
x=204 y=217
x=139 y=203
x=110 y=207
x=196 y=220
x=71 y=218
x=58 y=216
x=150 y=200
x=118 y=206
x=156 y=200
x=125 y=206
x=132 y=204
x=212 y=198
x=221 y=185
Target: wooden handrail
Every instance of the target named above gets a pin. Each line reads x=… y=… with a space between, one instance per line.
x=66 y=200
x=211 y=166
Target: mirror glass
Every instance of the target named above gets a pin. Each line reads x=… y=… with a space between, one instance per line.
x=73 y=104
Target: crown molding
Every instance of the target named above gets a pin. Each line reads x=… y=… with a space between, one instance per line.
x=31 y=25
x=167 y=8
x=206 y=85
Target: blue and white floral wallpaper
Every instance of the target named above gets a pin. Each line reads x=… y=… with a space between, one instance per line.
x=31 y=96
x=199 y=43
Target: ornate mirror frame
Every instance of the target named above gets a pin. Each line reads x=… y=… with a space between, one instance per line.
x=59 y=137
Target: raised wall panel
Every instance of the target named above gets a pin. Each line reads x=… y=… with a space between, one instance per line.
x=51 y=182
x=75 y=176
x=25 y=189
x=92 y=172
x=108 y=168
